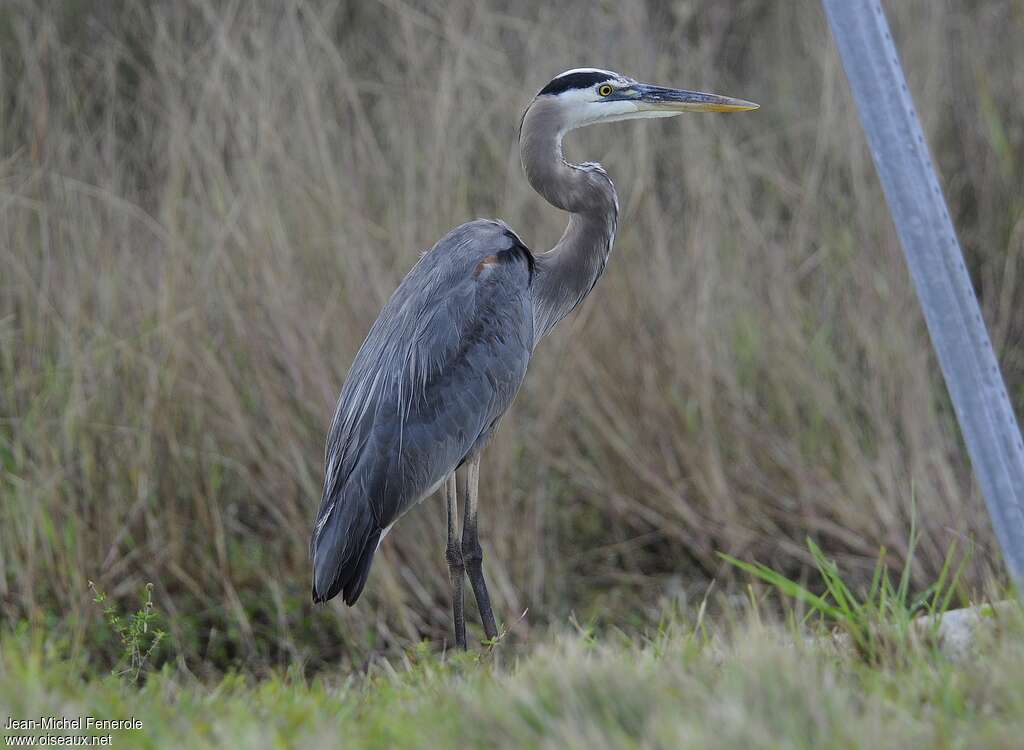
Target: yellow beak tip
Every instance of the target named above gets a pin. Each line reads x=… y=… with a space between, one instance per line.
x=740 y=106
x=737 y=105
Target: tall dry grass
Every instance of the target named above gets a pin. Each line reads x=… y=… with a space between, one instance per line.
x=204 y=204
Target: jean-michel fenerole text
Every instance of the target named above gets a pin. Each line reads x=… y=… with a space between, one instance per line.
x=71 y=723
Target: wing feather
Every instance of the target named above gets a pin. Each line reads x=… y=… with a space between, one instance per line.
x=440 y=365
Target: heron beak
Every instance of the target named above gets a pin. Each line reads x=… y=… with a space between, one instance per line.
x=659 y=99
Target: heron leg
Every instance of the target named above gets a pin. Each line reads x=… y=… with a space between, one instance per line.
x=456 y=566
x=472 y=554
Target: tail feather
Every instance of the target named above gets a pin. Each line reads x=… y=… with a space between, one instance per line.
x=343 y=551
x=355 y=584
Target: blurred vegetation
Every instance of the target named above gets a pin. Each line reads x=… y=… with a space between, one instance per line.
x=746 y=685
x=203 y=206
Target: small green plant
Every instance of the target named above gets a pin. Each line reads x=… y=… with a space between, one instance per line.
x=491 y=643
x=883 y=620
x=139 y=638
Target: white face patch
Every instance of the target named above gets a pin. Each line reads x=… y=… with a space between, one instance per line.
x=585 y=106
x=589 y=110
x=576 y=96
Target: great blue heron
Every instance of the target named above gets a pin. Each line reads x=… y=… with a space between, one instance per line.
x=449 y=350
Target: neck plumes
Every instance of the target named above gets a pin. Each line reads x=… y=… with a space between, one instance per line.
x=567 y=273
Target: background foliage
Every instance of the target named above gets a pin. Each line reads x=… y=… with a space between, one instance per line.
x=204 y=204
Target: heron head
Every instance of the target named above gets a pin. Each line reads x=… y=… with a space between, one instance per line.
x=585 y=96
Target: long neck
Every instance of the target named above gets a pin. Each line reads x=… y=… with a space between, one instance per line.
x=567 y=273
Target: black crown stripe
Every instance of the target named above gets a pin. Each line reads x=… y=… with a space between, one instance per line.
x=580 y=80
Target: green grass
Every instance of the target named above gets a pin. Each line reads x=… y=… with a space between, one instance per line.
x=741 y=678
x=882 y=618
x=738 y=685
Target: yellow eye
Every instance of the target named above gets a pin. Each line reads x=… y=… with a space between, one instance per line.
x=604 y=90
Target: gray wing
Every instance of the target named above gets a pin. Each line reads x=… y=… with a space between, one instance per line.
x=439 y=367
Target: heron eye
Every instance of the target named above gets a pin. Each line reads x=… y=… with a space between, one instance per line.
x=604 y=89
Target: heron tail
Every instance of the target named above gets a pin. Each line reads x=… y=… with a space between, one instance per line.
x=343 y=550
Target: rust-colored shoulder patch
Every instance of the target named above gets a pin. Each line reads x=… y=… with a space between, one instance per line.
x=490 y=260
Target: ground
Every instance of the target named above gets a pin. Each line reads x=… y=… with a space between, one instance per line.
x=740 y=685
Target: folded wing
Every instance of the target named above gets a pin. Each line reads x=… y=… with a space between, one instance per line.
x=439 y=367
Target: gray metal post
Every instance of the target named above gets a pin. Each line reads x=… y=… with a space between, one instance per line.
x=936 y=264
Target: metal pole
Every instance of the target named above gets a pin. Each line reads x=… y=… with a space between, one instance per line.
x=936 y=263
